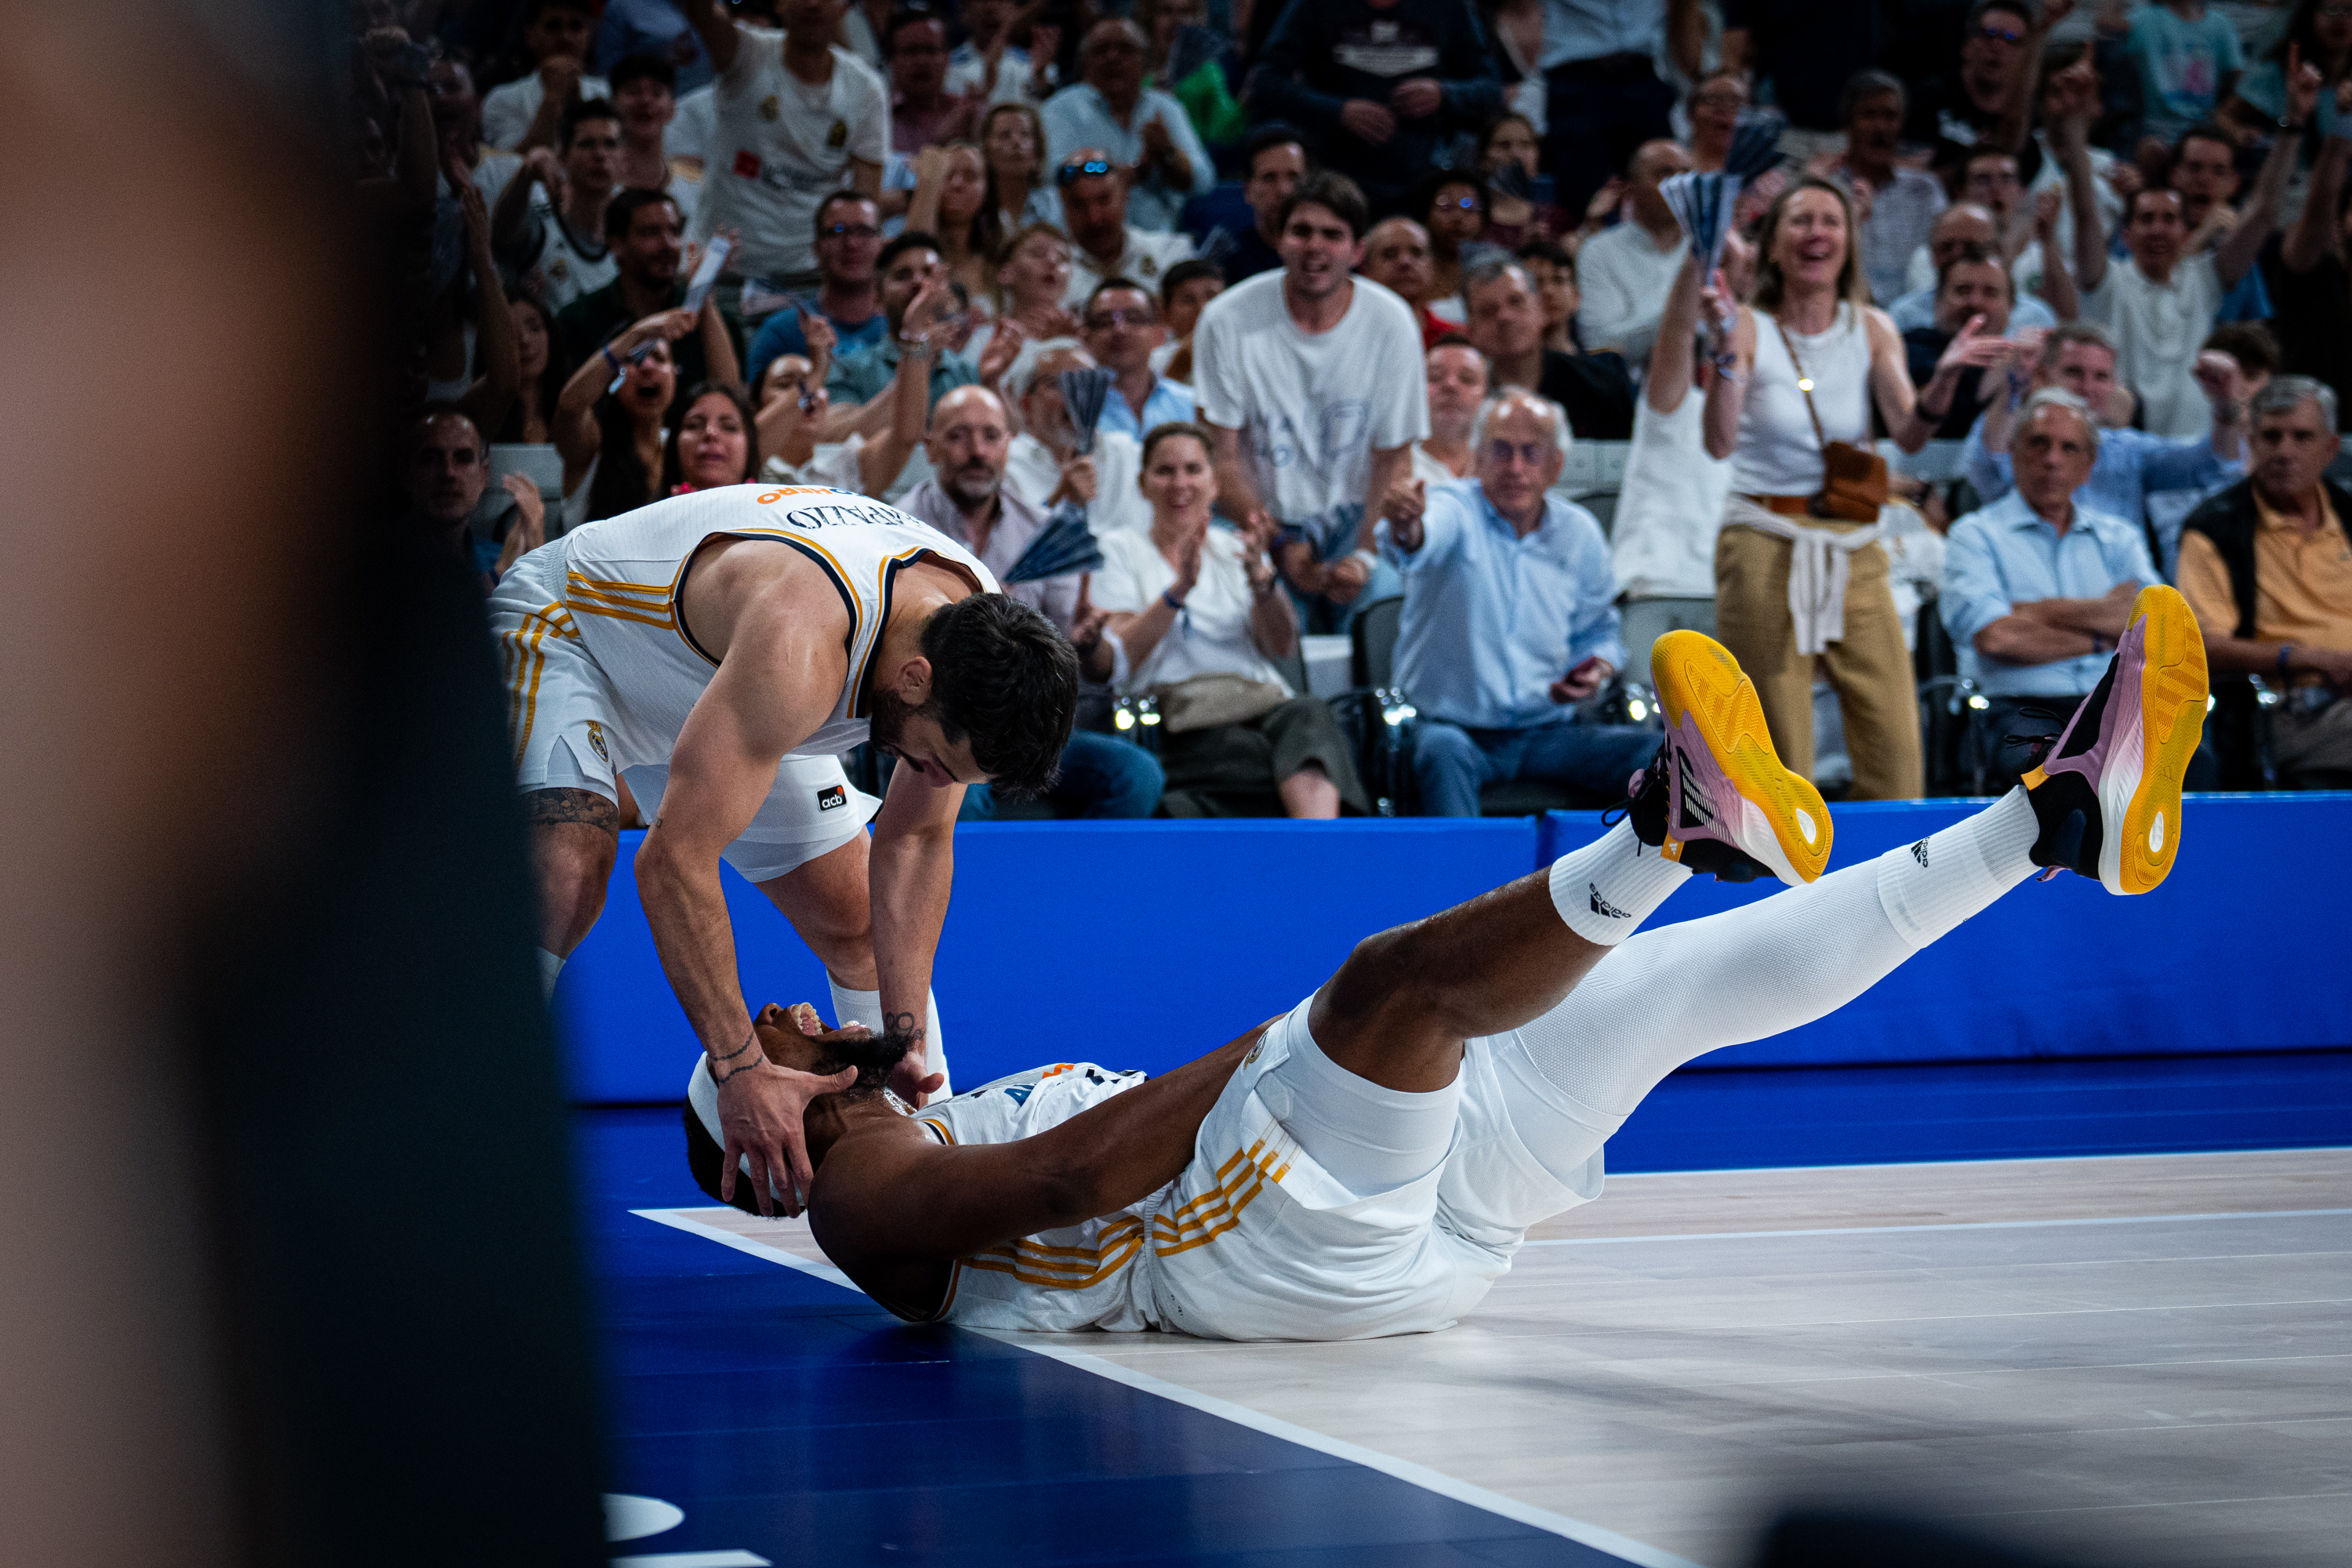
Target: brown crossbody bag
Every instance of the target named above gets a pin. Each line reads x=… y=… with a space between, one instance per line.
x=1854 y=479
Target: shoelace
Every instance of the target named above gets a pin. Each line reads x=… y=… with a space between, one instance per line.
x=1623 y=808
x=2038 y=746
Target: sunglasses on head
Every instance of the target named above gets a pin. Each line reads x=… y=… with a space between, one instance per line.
x=1069 y=173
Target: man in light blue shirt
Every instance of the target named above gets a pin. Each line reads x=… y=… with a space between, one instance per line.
x=1112 y=108
x=2132 y=464
x=1509 y=620
x=1120 y=327
x=2037 y=587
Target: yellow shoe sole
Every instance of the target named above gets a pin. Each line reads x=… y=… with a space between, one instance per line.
x=1696 y=675
x=2172 y=691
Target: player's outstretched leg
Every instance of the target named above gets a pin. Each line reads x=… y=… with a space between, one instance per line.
x=1571 y=1077
x=1715 y=800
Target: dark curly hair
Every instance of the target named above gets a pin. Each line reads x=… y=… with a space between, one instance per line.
x=1005 y=676
x=874 y=1056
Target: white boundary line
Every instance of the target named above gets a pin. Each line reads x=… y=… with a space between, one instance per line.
x=677 y=1220
x=1956 y=1224
x=1405 y=1470
x=1421 y=1476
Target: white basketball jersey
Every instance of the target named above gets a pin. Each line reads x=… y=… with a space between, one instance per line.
x=622 y=575
x=1080 y=1277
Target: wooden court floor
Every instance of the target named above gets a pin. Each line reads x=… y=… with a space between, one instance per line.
x=2135 y=1360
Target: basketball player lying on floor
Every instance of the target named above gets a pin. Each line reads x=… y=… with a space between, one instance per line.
x=1369 y=1163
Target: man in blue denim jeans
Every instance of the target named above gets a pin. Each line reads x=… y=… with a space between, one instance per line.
x=1509 y=620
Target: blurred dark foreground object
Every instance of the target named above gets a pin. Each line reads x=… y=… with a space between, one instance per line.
x=1837 y=1540
x=291 y=1275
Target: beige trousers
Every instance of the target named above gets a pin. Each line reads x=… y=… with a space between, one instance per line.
x=1869 y=668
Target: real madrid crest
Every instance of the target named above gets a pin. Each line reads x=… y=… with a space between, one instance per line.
x=839 y=136
x=596 y=742
x=772 y=108
x=558 y=270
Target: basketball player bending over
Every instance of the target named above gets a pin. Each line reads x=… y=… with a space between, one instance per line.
x=709 y=656
x=1369 y=1163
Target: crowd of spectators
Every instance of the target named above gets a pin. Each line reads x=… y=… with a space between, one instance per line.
x=2037 y=305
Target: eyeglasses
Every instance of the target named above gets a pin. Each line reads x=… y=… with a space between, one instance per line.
x=852 y=231
x=2003 y=35
x=2336 y=13
x=1070 y=173
x=1531 y=453
x=1104 y=320
x=1467 y=204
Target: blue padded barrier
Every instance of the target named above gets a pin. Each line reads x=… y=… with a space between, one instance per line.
x=1144 y=944
x=1138 y=944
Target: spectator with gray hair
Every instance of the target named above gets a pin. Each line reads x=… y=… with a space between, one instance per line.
x=2132 y=464
x=2038 y=587
x=2267 y=567
x=1509 y=620
x=1044 y=466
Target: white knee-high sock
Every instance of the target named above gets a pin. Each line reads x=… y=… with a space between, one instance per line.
x=1932 y=886
x=1608 y=887
x=549 y=966
x=865 y=1007
x=1677 y=992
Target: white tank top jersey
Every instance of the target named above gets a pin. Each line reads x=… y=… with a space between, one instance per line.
x=623 y=577
x=1777 y=453
x=1056 y=1280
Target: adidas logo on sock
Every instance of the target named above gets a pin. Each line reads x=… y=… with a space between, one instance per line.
x=1919 y=852
x=1601 y=906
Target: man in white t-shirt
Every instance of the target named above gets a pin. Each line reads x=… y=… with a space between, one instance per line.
x=2160 y=304
x=1623 y=273
x=518 y=116
x=797 y=118
x=1312 y=385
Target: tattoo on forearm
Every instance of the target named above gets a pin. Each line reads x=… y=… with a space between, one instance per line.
x=549 y=807
x=717 y=1063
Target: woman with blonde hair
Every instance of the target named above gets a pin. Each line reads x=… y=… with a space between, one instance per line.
x=1801 y=580
x=950 y=200
x=1016 y=191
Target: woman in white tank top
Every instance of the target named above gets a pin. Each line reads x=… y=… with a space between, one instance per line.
x=1808 y=327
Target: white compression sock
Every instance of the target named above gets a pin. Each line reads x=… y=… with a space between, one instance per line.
x=1932 y=886
x=549 y=966
x=1608 y=887
x=1679 y=992
x=865 y=1007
